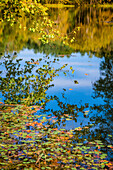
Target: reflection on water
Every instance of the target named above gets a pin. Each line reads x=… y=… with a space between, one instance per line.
x=103 y=88
x=28 y=81
x=95 y=24
x=93 y=36
x=80 y=98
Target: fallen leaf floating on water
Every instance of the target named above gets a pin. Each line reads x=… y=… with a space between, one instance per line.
x=62 y=55
x=86 y=112
x=34 y=62
x=28 y=136
x=86 y=127
x=1 y=103
x=76 y=82
x=79 y=128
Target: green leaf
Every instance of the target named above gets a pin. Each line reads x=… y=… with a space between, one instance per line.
x=102 y=166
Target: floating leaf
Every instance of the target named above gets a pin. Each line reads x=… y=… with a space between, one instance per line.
x=76 y=82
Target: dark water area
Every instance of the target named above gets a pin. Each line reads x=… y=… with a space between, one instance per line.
x=84 y=89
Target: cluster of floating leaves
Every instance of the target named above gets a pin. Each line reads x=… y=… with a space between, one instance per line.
x=25 y=87
x=27 y=142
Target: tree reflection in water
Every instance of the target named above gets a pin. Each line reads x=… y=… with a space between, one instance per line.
x=103 y=88
x=28 y=85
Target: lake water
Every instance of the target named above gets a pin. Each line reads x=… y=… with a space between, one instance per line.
x=90 y=53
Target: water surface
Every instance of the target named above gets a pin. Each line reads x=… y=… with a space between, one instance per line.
x=89 y=52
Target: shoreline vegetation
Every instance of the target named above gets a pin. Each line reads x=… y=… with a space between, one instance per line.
x=106 y=5
x=59 y=6
x=71 y=3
